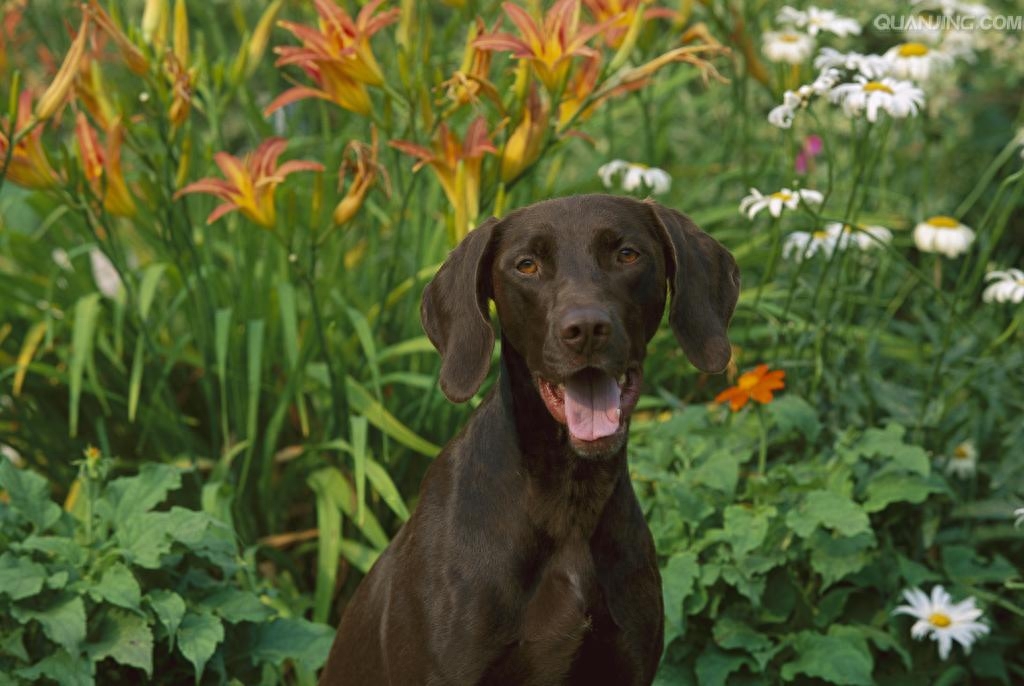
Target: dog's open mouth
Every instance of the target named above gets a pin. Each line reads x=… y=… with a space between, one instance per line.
x=591 y=403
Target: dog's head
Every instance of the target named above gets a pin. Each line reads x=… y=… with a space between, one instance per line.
x=580 y=284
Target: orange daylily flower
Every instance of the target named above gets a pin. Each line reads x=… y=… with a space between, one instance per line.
x=578 y=101
x=102 y=167
x=133 y=57
x=620 y=15
x=336 y=55
x=28 y=166
x=457 y=165
x=473 y=76
x=250 y=182
x=758 y=384
x=53 y=98
x=523 y=146
x=367 y=168
x=550 y=45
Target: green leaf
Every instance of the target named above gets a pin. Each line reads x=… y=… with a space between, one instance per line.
x=385 y=487
x=62 y=618
x=147 y=289
x=62 y=668
x=377 y=415
x=126 y=638
x=328 y=486
x=301 y=641
x=793 y=413
x=362 y=557
x=745 y=528
x=719 y=472
x=899 y=487
x=29 y=494
x=887 y=445
x=11 y=643
x=198 y=638
x=834 y=557
x=677 y=580
x=840 y=660
x=82 y=335
x=20 y=577
x=55 y=547
x=714 y=666
x=830 y=510
x=732 y=634
x=135 y=381
x=965 y=565
x=143 y=539
x=135 y=495
x=289 y=322
x=118 y=586
x=234 y=605
x=169 y=608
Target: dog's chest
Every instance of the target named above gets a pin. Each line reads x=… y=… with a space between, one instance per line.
x=560 y=607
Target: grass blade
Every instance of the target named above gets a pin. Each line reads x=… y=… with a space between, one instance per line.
x=82 y=335
x=28 y=351
x=326 y=484
x=359 y=458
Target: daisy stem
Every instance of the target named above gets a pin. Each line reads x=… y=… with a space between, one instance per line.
x=937 y=272
x=1005 y=335
x=773 y=260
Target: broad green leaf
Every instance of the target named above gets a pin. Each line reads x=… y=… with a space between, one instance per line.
x=143 y=539
x=830 y=510
x=82 y=337
x=169 y=608
x=12 y=643
x=118 y=586
x=733 y=634
x=59 y=547
x=899 y=487
x=62 y=668
x=745 y=528
x=677 y=580
x=234 y=605
x=62 y=618
x=29 y=494
x=126 y=638
x=305 y=642
x=834 y=557
x=720 y=471
x=965 y=565
x=198 y=638
x=134 y=495
x=714 y=666
x=837 y=659
x=20 y=577
x=888 y=446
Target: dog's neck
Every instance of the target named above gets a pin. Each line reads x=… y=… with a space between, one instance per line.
x=570 y=491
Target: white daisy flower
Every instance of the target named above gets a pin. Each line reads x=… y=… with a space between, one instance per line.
x=864 y=237
x=816 y=20
x=871 y=66
x=899 y=99
x=778 y=201
x=108 y=281
x=801 y=244
x=635 y=176
x=944 y=622
x=953 y=7
x=1019 y=514
x=791 y=47
x=963 y=463
x=61 y=259
x=1007 y=286
x=943 y=235
x=782 y=115
x=916 y=60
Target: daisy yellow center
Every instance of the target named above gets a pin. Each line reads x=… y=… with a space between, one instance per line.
x=960 y=453
x=781 y=195
x=820 y=234
x=873 y=86
x=913 y=50
x=943 y=222
x=940 y=620
x=747 y=381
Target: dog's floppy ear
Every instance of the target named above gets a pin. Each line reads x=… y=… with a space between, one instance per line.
x=705 y=284
x=454 y=314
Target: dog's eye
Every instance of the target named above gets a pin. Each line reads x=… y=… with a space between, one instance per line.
x=628 y=255
x=526 y=266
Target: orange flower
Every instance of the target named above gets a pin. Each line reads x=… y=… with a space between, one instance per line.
x=337 y=56
x=457 y=166
x=28 y=166
x=103 y=167
x=250 y=182
x=549 y=46
x=523 y=146
x=367 y=168
x=620 y=15
x=472 y=76
x=133 y=57
x=52 y=99
x=757 y=384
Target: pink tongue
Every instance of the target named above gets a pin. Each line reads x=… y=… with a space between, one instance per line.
x=591 y=405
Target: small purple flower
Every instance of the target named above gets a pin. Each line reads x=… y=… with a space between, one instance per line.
x=805 y=158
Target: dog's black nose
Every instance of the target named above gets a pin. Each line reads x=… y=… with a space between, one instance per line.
x=585 y=330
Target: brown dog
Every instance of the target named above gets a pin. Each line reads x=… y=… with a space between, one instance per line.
x=528 y=560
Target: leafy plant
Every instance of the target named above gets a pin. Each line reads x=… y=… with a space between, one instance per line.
x=125 y=584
